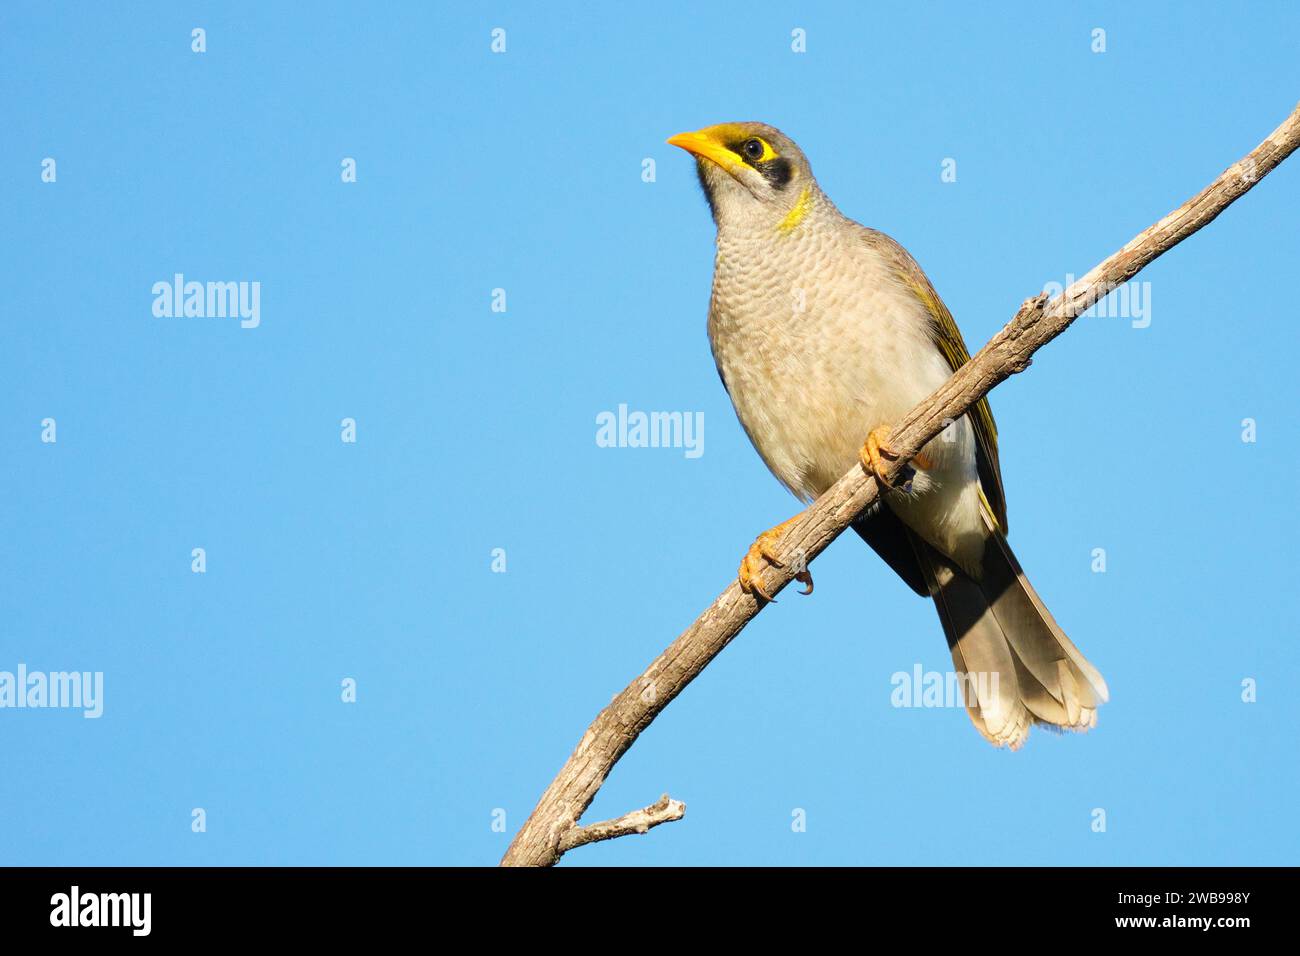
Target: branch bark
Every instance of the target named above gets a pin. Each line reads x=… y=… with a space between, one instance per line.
x=552 y=828
x=663 y=810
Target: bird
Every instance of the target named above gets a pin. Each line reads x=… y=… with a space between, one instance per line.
x=824 y=333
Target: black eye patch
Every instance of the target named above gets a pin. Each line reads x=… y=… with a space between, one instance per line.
x=777 y=171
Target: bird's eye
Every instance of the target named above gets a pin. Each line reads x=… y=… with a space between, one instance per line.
x=753 y=149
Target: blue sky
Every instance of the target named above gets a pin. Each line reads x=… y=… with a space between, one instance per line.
x=475 y=430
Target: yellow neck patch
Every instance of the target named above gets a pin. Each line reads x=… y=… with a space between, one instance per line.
x=798 y=213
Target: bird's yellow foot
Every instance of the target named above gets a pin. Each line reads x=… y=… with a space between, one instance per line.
x=877 y=451
x=763 y=552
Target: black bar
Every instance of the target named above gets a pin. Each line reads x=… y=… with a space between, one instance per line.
x=210 y=905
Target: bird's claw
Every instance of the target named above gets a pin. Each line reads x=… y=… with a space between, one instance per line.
x=874 y=454
x=761 y=553
x=875 y=451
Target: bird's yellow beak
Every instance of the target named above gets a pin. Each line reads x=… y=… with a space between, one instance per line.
x=707 y=144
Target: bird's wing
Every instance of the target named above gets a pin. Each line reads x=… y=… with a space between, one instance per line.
x=948 y=338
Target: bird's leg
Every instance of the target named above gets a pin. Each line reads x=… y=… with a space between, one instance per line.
x=877 y=450
x=763 y=550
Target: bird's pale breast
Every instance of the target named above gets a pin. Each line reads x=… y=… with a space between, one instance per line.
x=818 y=342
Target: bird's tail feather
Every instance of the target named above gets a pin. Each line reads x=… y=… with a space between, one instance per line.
x=1022 y=669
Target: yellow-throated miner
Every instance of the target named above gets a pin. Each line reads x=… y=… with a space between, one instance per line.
x=825 y=332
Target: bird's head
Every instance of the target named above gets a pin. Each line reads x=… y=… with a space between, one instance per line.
x=751 y=173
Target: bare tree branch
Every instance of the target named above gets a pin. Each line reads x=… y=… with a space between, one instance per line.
x=548 y=832
x=663 y=810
